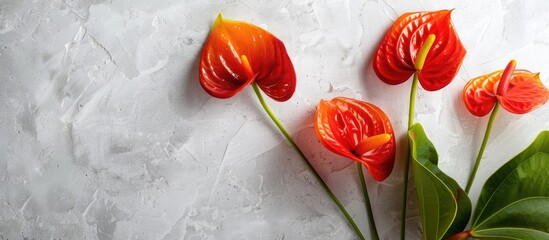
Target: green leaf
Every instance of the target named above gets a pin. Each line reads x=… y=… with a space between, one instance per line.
x=445 y=207
x=514 y=202
x=526 y=217
x=510 y=233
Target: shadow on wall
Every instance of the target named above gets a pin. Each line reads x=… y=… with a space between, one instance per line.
x=187 y=94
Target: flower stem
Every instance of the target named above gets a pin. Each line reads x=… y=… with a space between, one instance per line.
x=407 y=163
x=307 y=163
x=482 y=147
x=412 y=101
x=373 y=228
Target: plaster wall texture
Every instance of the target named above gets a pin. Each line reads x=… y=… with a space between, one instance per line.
x=105 y=132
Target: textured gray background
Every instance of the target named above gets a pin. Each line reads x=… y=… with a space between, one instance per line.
x=105 y=132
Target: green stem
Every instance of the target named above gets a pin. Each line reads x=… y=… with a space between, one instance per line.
x=482 y=147
x=371 y=220
x=412 y=101
x=309 y=166
x=407 y=163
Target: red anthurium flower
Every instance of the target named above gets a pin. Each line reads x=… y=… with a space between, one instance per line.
x=517 y=91
x=237 y=54
x=359 y=131
x=397 y=57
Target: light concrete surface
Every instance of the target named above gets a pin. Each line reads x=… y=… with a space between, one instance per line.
x=105 y=132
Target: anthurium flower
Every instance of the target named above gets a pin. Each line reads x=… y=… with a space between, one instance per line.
x=398 y=55
x=359 y=131
x=423 y=44
x=519 y=92
x=237 y=54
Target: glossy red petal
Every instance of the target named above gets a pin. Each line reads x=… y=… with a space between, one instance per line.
x=479 y=94
x=390 y=63
x=524 y=95
x=222 y=72
x=342 y=123
x=396 y=56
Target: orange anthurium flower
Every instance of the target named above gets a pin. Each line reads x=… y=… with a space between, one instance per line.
x=237 y=54
x=517 y=91
x=359 y=131
x=398 y=55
